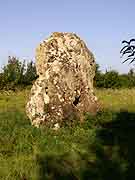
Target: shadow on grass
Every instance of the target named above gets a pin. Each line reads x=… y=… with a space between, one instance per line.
x=114 y=149
x=53 y=167
x=118 y=138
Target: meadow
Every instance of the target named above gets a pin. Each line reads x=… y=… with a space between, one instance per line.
x=102 y=148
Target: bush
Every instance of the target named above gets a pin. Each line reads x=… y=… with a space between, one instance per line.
x=112 y=79
x=99 y=77
x=17 y=74
x=30 y=74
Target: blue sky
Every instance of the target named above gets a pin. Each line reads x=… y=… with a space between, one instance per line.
x=102 y=24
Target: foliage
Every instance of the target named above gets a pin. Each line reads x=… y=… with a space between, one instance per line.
x=30 y=74
x=112 y=79
x=99 y=77
x=2 y=81
x=13 y=72
x=16 y=73
x=129 y=50
x=21 y=74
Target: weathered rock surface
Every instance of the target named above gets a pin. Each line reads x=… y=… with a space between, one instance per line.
x=64 y=89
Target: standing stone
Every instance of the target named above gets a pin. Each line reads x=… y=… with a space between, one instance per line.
x=64 y=89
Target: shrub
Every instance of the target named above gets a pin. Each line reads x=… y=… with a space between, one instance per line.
x=99 y=77
x=17 y=74
x=111 y=79
x=30 y=74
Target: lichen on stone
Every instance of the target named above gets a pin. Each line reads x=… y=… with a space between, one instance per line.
x=64 y=89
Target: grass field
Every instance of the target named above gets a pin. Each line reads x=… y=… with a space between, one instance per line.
x=100 y=149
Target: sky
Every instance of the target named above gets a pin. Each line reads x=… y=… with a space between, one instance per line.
x=102 y=24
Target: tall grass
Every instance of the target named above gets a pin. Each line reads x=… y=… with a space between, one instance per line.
x=100 y=149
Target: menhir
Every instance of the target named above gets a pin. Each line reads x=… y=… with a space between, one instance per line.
x=64 y=90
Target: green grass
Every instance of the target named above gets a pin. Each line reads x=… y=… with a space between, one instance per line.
x=116 y=100
x=100 y=149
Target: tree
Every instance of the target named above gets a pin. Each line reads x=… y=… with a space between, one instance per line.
x=99 y=77
x=131 y=72
x=30 y=74
x=13 y=72
x=2 y=82
x=111 y=79
x=128 y=50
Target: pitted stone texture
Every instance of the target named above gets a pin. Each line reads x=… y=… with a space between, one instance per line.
x=64 y=89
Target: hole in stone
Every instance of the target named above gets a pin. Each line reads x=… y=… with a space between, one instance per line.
x=76 y=101
x=70 y=50
x=46 y=90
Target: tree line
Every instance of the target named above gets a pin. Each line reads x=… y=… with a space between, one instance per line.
x=17 y=74
x=20 y=74
x=112 y=79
